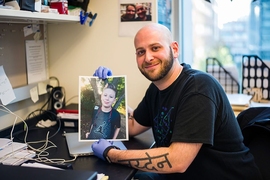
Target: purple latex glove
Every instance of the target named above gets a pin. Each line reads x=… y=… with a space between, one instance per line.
x=102 y=72
x=101 y=149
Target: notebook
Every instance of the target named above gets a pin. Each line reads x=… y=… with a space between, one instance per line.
x=77 y=148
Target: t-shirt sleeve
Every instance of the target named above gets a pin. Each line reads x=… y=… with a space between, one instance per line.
x=195 y=120
x=142 y=114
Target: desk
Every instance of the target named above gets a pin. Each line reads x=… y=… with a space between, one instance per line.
x=241 y=102
x=92 y=163
x=18 y=172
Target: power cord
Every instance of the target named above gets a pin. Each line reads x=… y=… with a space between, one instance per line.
x=5 y=109
x=41 y=151
x=51 y=116
x=55 y=78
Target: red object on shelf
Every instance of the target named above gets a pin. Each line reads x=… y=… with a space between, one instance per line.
x=71 y=108
x=61 y=6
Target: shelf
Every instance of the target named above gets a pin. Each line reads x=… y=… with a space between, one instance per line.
x=19 y=16
x=22 y=93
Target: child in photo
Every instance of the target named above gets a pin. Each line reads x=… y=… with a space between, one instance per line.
x=106 y=120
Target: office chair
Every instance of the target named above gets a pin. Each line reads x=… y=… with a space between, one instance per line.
x=225 y=78
x=255 y=125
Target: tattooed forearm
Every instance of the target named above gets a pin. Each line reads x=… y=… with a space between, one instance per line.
x=149 y=163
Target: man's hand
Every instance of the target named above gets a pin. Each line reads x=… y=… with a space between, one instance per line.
x=101 y=149
x=102 y=72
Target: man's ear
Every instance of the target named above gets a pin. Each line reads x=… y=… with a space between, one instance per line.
x=175 y=49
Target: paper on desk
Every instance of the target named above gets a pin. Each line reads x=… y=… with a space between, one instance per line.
x=4 y=142
x=39 y=165
x=256 y=104
x=11 y=148
x=68 y=115
x=18 y=157
x=239 y=99
x=6 y=92
x=102 y=176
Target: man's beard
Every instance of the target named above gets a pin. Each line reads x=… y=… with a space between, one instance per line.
x=167 y=65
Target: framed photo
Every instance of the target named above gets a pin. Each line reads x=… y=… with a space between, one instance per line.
x=134 y=14
x=102 y=108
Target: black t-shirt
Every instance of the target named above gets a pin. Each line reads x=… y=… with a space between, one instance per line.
x=104 y=124
x=195 y=109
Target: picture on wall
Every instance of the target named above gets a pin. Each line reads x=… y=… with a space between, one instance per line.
x=134 y=14
x=102 y=108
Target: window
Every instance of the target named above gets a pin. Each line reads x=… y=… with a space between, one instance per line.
x=224 y=29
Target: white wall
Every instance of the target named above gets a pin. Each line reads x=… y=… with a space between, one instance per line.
x=76 y=50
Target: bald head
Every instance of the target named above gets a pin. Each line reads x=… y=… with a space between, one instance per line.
x=154 y=29
x=157 y=54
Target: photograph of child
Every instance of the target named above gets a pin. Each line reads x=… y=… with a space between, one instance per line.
x=102 y=108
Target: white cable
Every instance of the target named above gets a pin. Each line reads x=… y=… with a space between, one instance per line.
x=41 y=150
x=14 y=123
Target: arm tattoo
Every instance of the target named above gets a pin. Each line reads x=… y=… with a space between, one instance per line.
x=146 y=163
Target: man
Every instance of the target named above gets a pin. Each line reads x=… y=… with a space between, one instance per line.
x=130 y=13
x=141 y=11
x=195 y=130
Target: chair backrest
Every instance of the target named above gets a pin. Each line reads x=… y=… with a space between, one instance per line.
x=255 y=125
x=225 y=78
x=255 y=74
